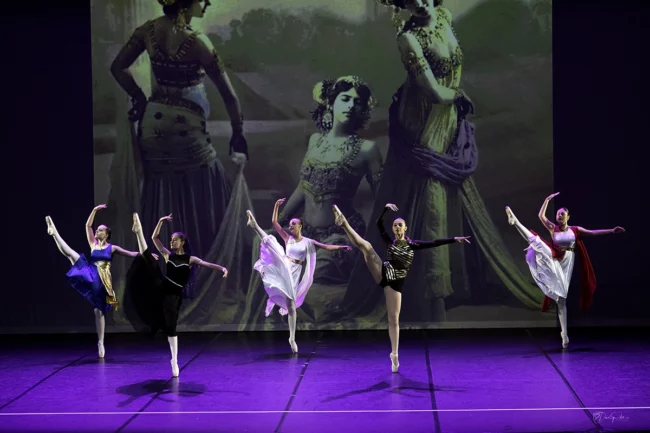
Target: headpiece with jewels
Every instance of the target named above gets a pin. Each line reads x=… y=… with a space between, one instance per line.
x=167 y=2
x=322 y=114
x=322 y=88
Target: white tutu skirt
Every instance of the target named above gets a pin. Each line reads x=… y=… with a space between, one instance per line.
x=280 y=275
x=551 y=275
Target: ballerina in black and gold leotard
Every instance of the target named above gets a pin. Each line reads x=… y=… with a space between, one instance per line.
x=391 y=273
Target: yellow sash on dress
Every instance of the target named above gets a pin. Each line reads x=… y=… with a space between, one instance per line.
x=104 y=270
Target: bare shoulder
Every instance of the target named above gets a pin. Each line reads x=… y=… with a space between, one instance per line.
x=203 y=43
x=313 y=139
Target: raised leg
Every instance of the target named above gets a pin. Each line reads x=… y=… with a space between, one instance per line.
x=137 y=229
x=71 y=254
x=513 y=221
x=252 y=223
x=393 y=307
x=373 y=261
x=100 y=325
x=292 y=316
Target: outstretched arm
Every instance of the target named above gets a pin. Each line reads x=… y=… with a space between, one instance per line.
x=331 y=247
x=542 y=213
x=586 y=232
x=197 y=261
x=420 y=245
x=274 y=220
x=90 y=234
x=122 y=252
x=156 y=240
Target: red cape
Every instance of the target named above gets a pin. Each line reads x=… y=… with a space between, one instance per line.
x=587 y=275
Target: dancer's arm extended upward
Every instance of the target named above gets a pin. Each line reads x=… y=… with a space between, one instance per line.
x=276 y=225
x=542 y=214
x=156 y=240
x=90 y=234
x=380 y=226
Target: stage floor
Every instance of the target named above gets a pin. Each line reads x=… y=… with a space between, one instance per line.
x=449 y=381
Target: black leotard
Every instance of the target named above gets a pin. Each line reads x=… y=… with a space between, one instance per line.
x=400 y=254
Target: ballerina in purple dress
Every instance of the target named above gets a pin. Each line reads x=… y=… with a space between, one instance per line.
x=92 y=278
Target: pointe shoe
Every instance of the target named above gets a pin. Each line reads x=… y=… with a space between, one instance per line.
x=51 y=230
x=137 y=226
x=394 y=363
x=294 y=346
x=511 y=216
x=100 y=350
x=565 y=340
x=175 y=370
x=251 y=219
x=339 y=219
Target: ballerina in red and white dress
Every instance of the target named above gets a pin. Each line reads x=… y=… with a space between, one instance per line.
x=551 y=263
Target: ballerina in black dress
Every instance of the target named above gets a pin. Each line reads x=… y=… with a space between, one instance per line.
x=391 y=274
x=155 y=299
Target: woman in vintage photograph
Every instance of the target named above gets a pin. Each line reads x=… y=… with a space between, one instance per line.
x=335 y=163
x=428 y=172
x=182 y=173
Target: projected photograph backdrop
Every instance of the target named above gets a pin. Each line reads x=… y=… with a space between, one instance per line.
x=274 y=57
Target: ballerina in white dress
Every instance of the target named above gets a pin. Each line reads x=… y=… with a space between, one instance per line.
x=551 y=264
x=281 y=268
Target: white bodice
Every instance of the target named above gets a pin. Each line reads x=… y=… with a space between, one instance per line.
x=297 y=250
x=565 y=239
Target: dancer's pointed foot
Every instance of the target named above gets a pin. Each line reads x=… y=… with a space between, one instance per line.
x=137 y=226
x=251 y=219
x=394 y=363
x=175 y=369
x=294 y=346
x=565 y=340
x=511 y=216
x=100 y=350
x=51 y=229
x=339 y=219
